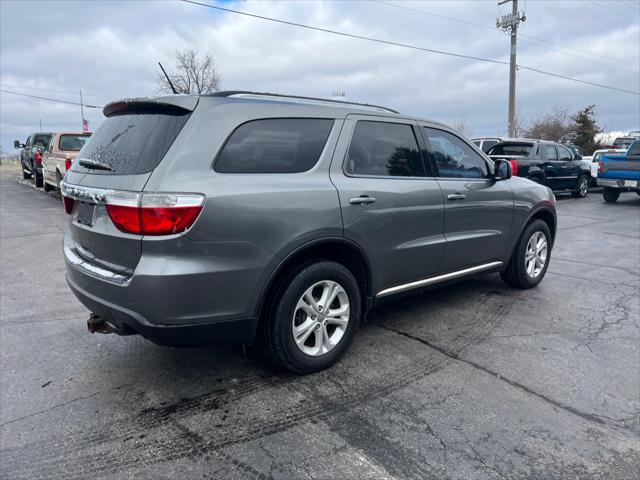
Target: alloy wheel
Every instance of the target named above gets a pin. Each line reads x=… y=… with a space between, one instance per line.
x=320 y=318
x=536 y=254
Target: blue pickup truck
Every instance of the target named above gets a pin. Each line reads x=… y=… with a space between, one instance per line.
x=620 y=173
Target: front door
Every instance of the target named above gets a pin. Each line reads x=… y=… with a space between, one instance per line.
x=390 y=207
x=478 y=210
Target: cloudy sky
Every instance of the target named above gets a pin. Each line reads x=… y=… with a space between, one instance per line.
x=110 y=49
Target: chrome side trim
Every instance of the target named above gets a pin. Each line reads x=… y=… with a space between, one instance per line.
x=440 y=278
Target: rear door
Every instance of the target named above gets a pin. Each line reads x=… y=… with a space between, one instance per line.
x=478 y=210
x=390 y=205
x=119 y=156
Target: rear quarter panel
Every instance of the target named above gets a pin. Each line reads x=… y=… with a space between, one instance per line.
x=248 y=213
x=529 y=198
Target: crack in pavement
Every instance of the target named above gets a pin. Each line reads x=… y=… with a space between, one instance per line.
x=49 y=409
x=599 y=265
x=568 y=408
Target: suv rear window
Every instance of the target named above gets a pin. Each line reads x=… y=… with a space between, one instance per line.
x=523 y=149
x=131 y=143
x=275 y=145
x=73 y=143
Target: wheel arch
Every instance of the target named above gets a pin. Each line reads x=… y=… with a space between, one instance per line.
x=341 y=250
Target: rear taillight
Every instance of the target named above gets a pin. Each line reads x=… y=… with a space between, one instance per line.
x=68 y=204
x=37 y=157
x=67 y=199
x=67 y=164
x=153 y=213
x=514 y=166
x=599 y=167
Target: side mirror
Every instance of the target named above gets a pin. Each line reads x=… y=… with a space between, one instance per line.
x=578 y=156
x=17 y=144
x=502 y=169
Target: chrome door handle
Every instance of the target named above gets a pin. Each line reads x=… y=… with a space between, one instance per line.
x=362 y=200
x=456 y=196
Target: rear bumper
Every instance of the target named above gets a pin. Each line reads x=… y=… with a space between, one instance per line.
x=188 y=296
x=183 y=335
x=623 y=184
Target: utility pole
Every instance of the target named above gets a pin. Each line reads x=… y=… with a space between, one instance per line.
x=509 y=23
x=82 y=111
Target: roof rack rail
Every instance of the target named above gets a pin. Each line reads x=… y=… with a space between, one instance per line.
x=230 y=93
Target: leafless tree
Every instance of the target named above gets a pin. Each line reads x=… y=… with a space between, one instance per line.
x=194 y=73
x=555 y=125
x=459 y=124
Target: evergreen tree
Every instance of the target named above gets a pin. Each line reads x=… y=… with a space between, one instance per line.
x=585 y=129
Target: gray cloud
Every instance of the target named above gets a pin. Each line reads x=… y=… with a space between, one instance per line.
x=111 y=49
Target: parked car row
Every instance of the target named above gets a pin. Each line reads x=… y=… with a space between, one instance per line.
x=563 y=167
x=46 y=157
x=551 y=164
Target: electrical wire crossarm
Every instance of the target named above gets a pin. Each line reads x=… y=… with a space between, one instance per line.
x=403 y=45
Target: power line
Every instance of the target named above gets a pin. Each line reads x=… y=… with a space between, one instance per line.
x=49 y=99
x=532 y=40
x=403 y=45
x=67 y=92
x=611 y=10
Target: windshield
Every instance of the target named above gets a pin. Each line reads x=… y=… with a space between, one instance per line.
x=523 y=149
x=131 y=143
x=73 y=143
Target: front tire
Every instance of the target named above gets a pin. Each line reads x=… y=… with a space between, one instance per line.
x=314 y=318
x=610 y=194
x=530 y=258
x=583 y=187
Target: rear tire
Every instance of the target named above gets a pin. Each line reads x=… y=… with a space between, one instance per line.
x=610 y=194
x=38 y=180
x=329 y=330
x=46 y=186
x=583 y=187
x=534 y=246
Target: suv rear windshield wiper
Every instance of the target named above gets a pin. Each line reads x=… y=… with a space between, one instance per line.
x=94 y=165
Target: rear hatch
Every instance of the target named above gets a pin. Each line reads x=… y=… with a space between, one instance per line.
x=117 y=162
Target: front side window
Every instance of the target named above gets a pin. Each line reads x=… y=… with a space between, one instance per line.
x=276 y=145
x=453 y=157
x=384 y=149
x=550 y=152
x=565 y=154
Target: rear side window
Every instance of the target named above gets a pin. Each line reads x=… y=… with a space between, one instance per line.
x=72 y=143
x=384 y=149
x=454 y=158
x=276 y=145
x=132 y=143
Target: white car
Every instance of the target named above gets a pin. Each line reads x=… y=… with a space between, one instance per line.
x=591 y=163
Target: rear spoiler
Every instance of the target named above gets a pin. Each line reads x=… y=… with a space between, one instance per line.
x=175 y=104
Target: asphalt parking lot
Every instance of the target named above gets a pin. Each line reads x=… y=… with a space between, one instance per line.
x=468 y=381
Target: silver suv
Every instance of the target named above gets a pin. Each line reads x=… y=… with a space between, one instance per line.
x=242 y=217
